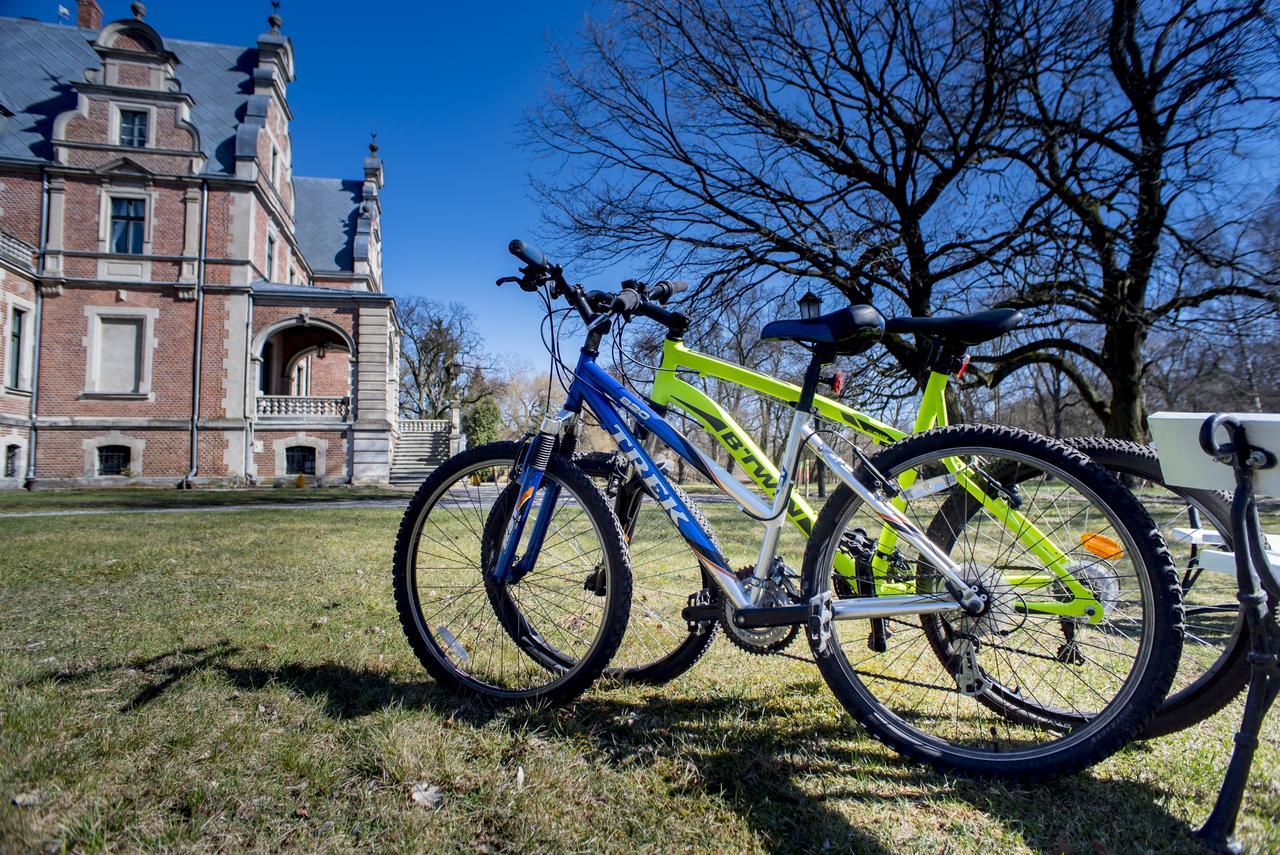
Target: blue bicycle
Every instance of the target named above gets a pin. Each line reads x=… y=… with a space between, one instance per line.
x=1024 y=621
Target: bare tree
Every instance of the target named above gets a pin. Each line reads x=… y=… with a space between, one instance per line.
x=442 y=358
x=1139 y=117
x=828 y=140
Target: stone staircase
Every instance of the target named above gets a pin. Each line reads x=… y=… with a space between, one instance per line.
x=422 y=447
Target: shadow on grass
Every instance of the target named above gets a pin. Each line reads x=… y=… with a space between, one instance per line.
x=786 y=777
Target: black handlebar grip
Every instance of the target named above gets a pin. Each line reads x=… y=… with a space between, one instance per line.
x=528 y=254
x=666 y=289
x=626 y=302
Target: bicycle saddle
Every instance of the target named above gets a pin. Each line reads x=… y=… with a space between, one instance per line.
x=850 y=330
x=960 y=329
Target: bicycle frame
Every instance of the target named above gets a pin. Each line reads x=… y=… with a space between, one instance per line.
x=670 y=390
x=606 y=398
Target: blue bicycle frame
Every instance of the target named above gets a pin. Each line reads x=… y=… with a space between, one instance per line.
x=603 y=395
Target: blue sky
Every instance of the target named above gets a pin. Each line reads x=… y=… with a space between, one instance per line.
x=445 y=85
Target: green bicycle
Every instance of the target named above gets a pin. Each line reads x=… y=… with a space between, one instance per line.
x=663 y=642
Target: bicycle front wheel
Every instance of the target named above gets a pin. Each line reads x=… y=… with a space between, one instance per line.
x=544 y=637
x=1027 y=689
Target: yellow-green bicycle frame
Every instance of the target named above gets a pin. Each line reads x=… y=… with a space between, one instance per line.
x=671 y=391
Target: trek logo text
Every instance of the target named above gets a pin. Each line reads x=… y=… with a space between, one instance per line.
x=660 y=494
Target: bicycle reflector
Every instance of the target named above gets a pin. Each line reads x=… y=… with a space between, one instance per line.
x=837 y=383
x=1101 y=545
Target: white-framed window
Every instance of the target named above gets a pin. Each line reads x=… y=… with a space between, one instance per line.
x=113 y=455
x=128 y=225
x=134 y=128
x=119 y=347
x=271 y=257
x=18 y=346
x=12 y=460
x=132 y=125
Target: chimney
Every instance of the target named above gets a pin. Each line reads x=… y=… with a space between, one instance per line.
x=88 y=14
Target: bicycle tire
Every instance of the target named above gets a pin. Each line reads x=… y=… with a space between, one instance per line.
x=689 y=650
x=1229 y=674
x=584 y=670
x=1123 y=717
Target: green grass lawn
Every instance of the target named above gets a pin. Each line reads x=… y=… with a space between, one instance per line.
x=239 y=680
x=21 y=501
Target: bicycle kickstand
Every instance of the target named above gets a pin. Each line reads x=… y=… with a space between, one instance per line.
x=1264 y=634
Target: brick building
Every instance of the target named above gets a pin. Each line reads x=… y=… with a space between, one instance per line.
x=175 y=304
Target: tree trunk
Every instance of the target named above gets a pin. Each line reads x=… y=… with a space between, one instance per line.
x=1122 y=348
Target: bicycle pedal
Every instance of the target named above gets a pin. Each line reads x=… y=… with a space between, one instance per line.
x=701 y=612
x=819 y=625
x=965 y=670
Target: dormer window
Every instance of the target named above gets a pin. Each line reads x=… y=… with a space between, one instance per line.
x=133 y=128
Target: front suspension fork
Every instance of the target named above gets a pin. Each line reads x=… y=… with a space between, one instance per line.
x=510 y=567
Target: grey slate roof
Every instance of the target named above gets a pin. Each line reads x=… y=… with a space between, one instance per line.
x=326 y=210
x=39 y=62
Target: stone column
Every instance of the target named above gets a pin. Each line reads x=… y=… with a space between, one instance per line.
x=457 y=442
x=374 y=406
x=56 y=226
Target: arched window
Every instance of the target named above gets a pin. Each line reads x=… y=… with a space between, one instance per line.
x=300 y=460
x=113 y=460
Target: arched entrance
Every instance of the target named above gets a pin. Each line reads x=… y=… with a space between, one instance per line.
x=305 y=370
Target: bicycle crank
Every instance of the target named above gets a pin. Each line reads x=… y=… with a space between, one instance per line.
x=778 y=590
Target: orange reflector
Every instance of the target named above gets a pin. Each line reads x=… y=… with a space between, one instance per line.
x=1101 y=545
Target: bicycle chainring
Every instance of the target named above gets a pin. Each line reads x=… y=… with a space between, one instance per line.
x=764 y=640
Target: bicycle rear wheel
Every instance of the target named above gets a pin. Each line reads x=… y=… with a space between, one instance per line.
x=1214 y=667
x=1009 y=693
x=660 y=644
x=541 y=638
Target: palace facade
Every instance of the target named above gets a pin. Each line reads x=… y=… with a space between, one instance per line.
x=176 y=306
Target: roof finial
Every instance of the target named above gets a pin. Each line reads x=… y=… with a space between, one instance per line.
x=373 y=142
x=138 y=10
x=274 y=18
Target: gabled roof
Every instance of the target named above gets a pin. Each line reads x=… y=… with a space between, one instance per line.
x=325 y=214
x=39 y=62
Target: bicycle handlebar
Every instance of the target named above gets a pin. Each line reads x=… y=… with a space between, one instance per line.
x=529 y=254
x=626 y=302
x=634 y=299
x=666 y=289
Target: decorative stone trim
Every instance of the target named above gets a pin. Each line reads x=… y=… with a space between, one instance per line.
x=91 y=446
x=300 y=438
x=94 y=316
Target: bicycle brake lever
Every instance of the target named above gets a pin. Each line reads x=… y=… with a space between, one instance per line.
x=505 y=279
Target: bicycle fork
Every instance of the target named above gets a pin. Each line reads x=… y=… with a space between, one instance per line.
x=510 y=567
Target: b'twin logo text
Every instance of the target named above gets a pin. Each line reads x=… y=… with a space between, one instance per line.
x=660 y=495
